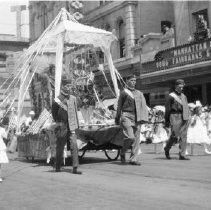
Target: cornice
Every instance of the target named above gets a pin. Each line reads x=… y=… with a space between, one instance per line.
x=107 y=9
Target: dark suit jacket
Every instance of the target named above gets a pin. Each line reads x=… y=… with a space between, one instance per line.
x=126 y=104
x=66 y=111
x=172 y=106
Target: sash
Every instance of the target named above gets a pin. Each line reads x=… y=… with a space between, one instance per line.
x=72 y=113
x=129 y=93
x=61 y=104
x=177 y=98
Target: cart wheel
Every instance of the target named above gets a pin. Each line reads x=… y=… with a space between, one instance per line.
x=81 y=153
x=112 y=154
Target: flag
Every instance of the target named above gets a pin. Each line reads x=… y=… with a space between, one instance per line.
x=12 y=121
x=37 y=125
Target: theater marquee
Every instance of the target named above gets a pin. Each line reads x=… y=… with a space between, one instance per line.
x=180 y=55
x=187 y=54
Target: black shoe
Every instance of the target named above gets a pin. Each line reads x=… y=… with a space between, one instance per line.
x=183 y=158
x=135 y=163
x=122 y=158
x=75 y=171
x=167 y=154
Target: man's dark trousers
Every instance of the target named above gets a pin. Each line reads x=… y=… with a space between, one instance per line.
x=63 y=135
x=179 y=129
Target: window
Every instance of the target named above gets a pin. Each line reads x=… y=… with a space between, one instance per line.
x=165 y=24
x=100 y=56
x=203 y=13
x=121 y=27
x=103 y=2
x=107 y=27
x=44 y=17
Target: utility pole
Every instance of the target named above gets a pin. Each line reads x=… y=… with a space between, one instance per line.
x=18 y=10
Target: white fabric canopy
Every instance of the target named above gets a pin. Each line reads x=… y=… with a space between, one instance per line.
x=63 y=29
x=83 y=34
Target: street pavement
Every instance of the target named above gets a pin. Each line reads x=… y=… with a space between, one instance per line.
x=156 y=184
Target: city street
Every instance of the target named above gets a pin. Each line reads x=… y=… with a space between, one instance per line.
x=156 y=184
x=103 y=72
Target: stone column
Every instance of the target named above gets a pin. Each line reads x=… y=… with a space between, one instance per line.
x=130 y=10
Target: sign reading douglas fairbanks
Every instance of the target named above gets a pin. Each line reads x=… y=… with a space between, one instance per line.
x=179 y=56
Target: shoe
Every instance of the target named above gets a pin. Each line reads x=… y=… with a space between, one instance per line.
x=183 y=158
x=75 y=171
x=167 y=154
x=135 y=163
x=122 y=158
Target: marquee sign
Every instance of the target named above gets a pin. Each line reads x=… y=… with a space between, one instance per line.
x=178 y=56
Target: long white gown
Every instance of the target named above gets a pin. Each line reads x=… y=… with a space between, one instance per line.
x=209 y=125
x=197 y=132
x=160 y=134
x=3 y=154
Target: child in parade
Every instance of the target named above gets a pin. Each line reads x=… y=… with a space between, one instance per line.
x=160 y=134
x=3 y=154
x=197 y=131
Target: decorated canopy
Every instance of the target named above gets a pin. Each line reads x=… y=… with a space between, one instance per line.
x=64 y=35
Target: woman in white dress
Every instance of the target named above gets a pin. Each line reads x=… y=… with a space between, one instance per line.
x=197 y=131
x=209 y=122
x=3 y=154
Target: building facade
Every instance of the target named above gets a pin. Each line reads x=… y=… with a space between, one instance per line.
x=11 y=47
x=189 y=59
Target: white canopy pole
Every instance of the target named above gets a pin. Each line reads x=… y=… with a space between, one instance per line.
x=59 y=63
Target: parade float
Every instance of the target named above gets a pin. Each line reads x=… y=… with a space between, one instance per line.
x=66 y=53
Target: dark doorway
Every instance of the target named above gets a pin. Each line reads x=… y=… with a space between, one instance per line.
x=193 y=93
x=209 y=93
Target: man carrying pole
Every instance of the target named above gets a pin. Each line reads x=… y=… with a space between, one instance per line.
x=64 y=111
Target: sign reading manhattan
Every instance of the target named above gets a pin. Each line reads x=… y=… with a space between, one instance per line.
x=190 y=53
